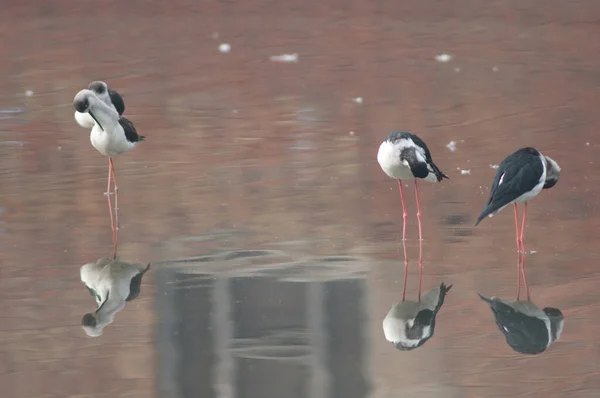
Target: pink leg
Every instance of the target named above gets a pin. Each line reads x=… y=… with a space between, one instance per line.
x=523 y=251
x=522 y=239
x=112 y=220
x=404 y=239
x=420 y=239
x=116 y=230
x=518 y=251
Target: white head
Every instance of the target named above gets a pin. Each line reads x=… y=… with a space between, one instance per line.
x=101 y=90
x=90 y=325
x=552 y=172
x=87 y=102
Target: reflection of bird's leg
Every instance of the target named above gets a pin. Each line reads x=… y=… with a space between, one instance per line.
x=405 y=270
x=420 y=239
x=403 y=210
x=522 y=239
x=110 y=212
x=523 y=252
x=518 y=251
x=404 y=239
x=525 y=276
x=116 y=225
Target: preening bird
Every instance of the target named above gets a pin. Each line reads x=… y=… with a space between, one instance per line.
x=112 y=283
x=111 y=135
x=405 y=156
x=519 y=178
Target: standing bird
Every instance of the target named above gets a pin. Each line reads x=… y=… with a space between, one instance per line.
x=527 y=329
x=106 y=95
x=111 y=135
x=112 y=283
x=408 y=324
x=405 y=156
x=519 y=178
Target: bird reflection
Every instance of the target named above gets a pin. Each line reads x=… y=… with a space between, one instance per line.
x=112 y=283
x=409 y=324
x=527 y=329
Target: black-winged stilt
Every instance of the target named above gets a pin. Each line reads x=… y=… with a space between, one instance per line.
x=527 y=329
x=409 y=324
x=112 y=283
x=405 y=156
x=104 y=94
x=519 y=178
x=111 y=135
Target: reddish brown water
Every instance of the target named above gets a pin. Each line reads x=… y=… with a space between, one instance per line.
x=247 y=154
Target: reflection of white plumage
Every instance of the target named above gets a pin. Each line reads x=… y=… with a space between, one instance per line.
x=409 y=324
x=112 y=283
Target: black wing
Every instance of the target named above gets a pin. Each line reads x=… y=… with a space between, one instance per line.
x=117 y=101
x=130 y=131
x=443 y=291
x=524 y=334
x=438 y=173
x=419 y=142
x=136 y=284
x=426 y=318
x=520 y=172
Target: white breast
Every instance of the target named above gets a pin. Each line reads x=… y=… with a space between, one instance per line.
x=388 y=157
x=110 y=143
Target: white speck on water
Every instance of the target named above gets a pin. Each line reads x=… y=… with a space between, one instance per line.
x=452 y=146
x=457 y=69
x=29 y=93
x=465 y=172
x=225 y=47
x=443 y=57
x=494 y=166
x=532 y=251
x=215 y=35
x=495 y=69
x=358 y=100
x=351 y=133
x=284 y=58
x=59 y=148
x=234 y=111
x=587 y=144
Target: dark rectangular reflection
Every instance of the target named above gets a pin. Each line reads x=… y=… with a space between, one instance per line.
x=260 y=337
x=186 y=359
x=345 y=319
x=263 y=304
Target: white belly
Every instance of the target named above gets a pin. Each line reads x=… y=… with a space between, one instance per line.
x=388 y=157
x=109 y=144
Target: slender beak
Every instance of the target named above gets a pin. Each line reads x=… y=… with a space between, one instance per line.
x=94 y=117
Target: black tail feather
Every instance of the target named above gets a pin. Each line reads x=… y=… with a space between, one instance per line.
x=438 y=173
x=483 y=215
x=443 y=291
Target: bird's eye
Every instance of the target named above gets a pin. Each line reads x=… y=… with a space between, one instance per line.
x=100 y=89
